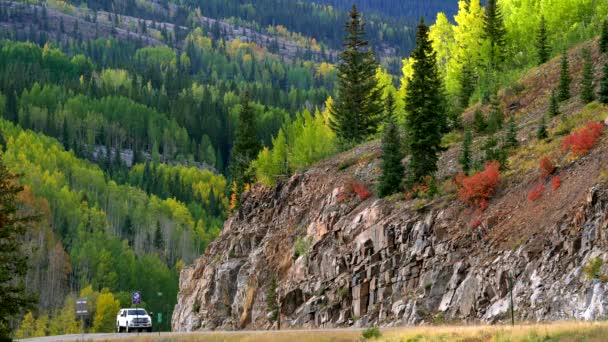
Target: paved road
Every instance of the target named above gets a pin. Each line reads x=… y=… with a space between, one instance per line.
x=124 y=336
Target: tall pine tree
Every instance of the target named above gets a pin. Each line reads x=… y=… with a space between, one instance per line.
x=587 y=92
x=604 y=37
x=392 y=154
x=563 y=92
x=246 y=145
x=13 y=261
x=511 y=134
x=389 y=108
x=358 y=107
x=603 y=95
x=494 y=31
x=425 y=109
x=465 y=158
x=541 y=131
x=542 y=44
x=553 y=104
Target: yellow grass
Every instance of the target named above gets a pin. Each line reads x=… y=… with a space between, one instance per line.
x=565 y=331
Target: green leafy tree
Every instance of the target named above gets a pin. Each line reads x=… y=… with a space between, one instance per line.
x=465 y=158
x=13 y=261
x=392 y=154
x=604 y=37
x=511 y=134
x=587 y=91
x=603 y=95
x=358 y=107
x=105 y=312
x=543 y=49
x=541 y=131
x=246 y=145
x=494 y=31
x=565 y=79
x=425 y=109
x=553 y=104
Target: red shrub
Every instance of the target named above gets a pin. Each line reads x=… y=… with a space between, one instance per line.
x=581 y=141
x=536 y=193
x=546 y=167
x=479 y=188
x=361 y=190
x=351 y=187
x=556 y=183
x=475 y=223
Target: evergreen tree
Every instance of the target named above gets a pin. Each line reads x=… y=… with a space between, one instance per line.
x=13 y=261
x=425 y=109
x=563 y=93
x=479 y=122
x=467 y=86
x=494 y=31
x=496 y=117
x=389 y=108
x=604 y=37
x=465 y=158
x=541 y=132
x=494 y=152
x=392 y=154
x=246 y=145
x=587 y=92
x=553 y=104
x=159 y=242
x=511 y=135
x=358 y=108
x=542 y=45
x=603 y=95
x=272 y=306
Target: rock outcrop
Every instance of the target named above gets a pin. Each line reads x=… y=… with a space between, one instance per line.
x=342 y=261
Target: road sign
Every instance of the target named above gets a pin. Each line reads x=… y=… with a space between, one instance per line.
x=82 y=306
x=136 y=298
x=159 y=317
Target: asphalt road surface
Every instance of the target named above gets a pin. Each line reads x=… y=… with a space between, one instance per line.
x=125 y=336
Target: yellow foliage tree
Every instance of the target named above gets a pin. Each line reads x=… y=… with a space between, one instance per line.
x=105 y=314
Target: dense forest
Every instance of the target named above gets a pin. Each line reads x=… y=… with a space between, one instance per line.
x=135 y=126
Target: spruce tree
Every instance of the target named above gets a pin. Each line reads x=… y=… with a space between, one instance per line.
x=14 y=298
x=495 y=118
x=389 y=108
x=542 y=45
x=392 y=154
x=425 y=109
x=358 y=107
x=541 y=132
x=479 y=122
x=511 y=135
x=587 y=92
x=603 y=95
x=563 y=93
x=465 y=158
x=494 y=31
x=159 y=242
x=467 y=86
x=604 y=37
x=553 y=104
x=246 y=145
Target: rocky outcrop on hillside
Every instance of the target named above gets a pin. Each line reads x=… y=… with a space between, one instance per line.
x=343 y=261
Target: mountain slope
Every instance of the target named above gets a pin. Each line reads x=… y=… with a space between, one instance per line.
x=342 y=258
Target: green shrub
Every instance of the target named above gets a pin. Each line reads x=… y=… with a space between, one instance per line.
x=302 y=246
x=196 y=306
x=372 y=332
x=593 y=268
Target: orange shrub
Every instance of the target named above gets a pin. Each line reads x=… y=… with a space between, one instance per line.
x=546 y=167
x=556 y=183
x=361 y=190
x=536 y=193
x=351 y=187
x=581 y=141
x=479 y=188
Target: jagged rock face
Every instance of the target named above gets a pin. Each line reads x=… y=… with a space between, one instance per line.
x=379 y=262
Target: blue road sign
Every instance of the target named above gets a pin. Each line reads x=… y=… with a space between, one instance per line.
x=136 y=298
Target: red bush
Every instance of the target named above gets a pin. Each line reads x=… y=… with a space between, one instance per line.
x=351 y=187
x=536 y=193
x=361 y=190
x=581 y=141
x=479 y=188
x=546 y=167
x=556 y=183
x=475 y=223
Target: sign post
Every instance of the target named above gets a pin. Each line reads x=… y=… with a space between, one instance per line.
x=136 y=300
x=82 y=310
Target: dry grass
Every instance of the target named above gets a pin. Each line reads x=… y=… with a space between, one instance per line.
x=557 y=332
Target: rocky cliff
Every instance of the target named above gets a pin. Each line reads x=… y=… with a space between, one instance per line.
x=342 y=259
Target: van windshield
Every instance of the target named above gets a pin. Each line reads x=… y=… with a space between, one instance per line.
x=138 y=312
